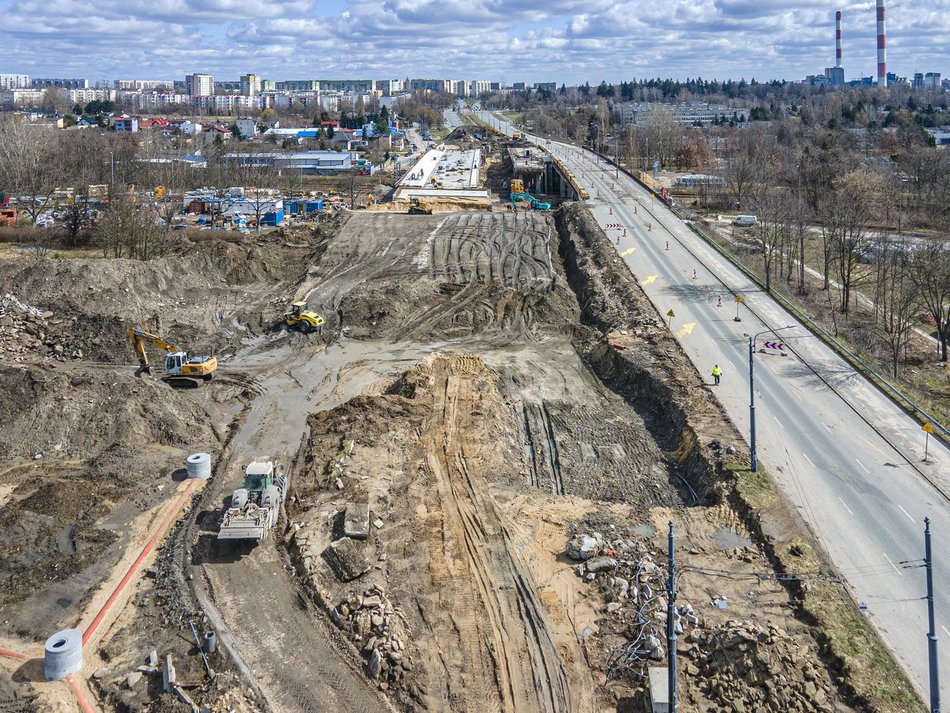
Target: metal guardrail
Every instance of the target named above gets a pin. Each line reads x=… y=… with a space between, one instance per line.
x=880 y=381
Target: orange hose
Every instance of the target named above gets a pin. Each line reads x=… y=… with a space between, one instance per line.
x=13 y=654
x=84 y=705
x=128 y=575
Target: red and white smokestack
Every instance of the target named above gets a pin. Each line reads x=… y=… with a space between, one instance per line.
x=881 y=46
x=838 y=38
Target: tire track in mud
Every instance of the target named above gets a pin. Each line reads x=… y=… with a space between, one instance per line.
x=528 y=672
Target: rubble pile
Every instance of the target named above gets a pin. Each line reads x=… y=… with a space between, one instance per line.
x=30 y=331
x=746 y=666
x=380 y=633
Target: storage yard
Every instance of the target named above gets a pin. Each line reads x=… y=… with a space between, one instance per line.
x=484 y=444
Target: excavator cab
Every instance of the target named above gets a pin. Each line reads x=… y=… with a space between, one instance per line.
x=302 y=319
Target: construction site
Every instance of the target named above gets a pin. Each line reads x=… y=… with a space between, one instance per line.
x=427 y=459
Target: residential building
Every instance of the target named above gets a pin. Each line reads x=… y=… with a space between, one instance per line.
x=227 y=86
x=20 y=98
x=84 y=96
x=143 y=85
x=479 y=87
x=126 y=124
x=247 y=128
x=64 y=83
x=268 y=85
x=688 y=114
x=250 y=85
x=200 y=85
x=297 y=85
x=519 y=86
x=14 y=81
x=547 y=86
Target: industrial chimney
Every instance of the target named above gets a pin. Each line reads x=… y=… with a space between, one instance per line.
x=838 y=38
x=881 y=46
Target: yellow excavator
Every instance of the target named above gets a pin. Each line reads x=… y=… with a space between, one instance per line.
x=181 y=368
x=303 y=319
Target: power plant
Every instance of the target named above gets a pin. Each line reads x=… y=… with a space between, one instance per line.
x=881 y=46
x=838 y=38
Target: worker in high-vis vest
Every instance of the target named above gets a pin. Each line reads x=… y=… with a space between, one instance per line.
x=716 y=372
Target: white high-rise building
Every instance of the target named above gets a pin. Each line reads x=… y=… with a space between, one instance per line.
x=14 y=81
x=200 y=85
x=250 y=85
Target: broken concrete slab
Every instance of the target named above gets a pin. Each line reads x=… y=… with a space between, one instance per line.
x=356 y=521
x=347 y=559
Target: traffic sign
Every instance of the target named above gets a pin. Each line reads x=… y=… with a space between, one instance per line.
x=780 y=346
x=928 y=427
x=670 y=314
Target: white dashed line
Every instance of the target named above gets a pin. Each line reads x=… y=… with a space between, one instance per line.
x=945 y=630
x=846 y=507
x=862 y=465
x=907 y=514
x=808 y=459
x=827 y=427
x=892 y=564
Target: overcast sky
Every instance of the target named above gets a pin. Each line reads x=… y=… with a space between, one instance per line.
x=567 y=41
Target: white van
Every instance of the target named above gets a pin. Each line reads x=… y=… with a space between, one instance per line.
x=745 y=221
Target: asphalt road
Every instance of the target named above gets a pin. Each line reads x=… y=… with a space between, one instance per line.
x=844 y=455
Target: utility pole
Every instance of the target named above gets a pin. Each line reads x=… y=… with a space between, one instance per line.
x=671 y=624
x=932 y=633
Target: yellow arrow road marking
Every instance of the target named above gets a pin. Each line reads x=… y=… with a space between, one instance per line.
x=627 y=252
x=687 y=329
x=648 y=280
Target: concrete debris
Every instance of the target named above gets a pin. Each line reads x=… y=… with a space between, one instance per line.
x=347 y=559
x=168 y=674
x=377 y=629
x=27 y=331
x=356 y=521
x=582 y=547
x=133 y=678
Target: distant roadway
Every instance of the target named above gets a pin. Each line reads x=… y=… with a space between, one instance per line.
x=844 y=455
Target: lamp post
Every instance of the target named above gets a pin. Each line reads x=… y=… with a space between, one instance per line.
x=752 y=339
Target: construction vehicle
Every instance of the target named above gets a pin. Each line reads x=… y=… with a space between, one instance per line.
x=417 y=207
x=255 y=506
x=535 y=203
x=181 y=368
x=302 y=319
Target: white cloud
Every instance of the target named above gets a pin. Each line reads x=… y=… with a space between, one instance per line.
x=565 y=40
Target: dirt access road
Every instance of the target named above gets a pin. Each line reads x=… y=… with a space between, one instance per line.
x=282 y=640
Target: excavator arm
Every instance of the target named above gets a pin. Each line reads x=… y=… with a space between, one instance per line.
x=139 y=338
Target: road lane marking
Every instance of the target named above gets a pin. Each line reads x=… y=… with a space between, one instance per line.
x=945 y=630
x=687 y=329
x=827 y=427
x=862 y=465
x=907 y=514
x=808 y=459
x=626 y=252
x=648 y=280
x=846 y=507
x=892 y=564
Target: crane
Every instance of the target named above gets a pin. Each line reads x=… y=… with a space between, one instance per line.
x=181 y=368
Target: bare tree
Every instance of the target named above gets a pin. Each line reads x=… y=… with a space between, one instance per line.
x=131 y=231
x=930 y=270
x=901 y=300
x=857 y=196
x=54 y=101
x=28 y=165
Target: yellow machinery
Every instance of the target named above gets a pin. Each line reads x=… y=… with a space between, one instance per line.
x=517 y=185
x=302 y=319
x=417 y=207
x=181 y=368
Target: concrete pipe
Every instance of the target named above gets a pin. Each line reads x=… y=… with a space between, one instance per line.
x=199 y=466
x=63 y=654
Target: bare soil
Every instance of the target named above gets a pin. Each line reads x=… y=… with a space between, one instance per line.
x=490 y=386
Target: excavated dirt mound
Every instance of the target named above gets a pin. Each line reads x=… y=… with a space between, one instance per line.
x=90 y=303
x=413 y=277
x=84 y=414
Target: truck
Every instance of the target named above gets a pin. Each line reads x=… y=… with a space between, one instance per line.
x=255 y=506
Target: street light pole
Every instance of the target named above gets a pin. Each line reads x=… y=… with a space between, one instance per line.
x=752 y=339
x=931 y=633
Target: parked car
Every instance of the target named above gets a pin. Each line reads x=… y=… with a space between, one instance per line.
x=745 y=221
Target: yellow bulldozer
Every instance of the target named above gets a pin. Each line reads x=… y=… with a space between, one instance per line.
x=303 y=319
x=182 y=369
